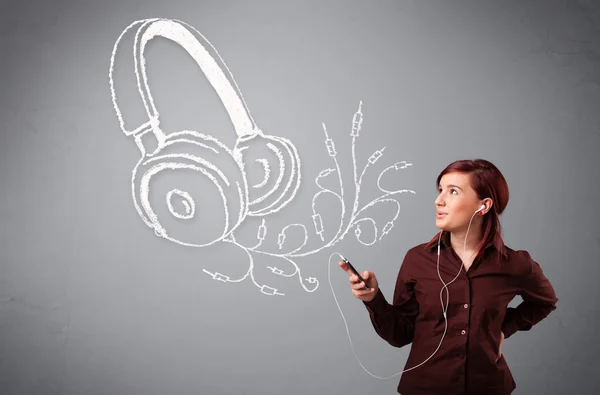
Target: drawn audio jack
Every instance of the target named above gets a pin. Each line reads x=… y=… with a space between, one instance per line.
x=357 y=120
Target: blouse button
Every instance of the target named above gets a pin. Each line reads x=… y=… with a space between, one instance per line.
x=463 y=331
x=465 y=305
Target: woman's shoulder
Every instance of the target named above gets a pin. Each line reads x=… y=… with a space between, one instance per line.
x=423 y=250
x=517 y=254
x=519 y=259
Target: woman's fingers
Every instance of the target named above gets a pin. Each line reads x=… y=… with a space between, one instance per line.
x=363 y=292
x=358 y=285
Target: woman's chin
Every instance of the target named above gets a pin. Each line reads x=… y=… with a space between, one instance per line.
x=441 y=225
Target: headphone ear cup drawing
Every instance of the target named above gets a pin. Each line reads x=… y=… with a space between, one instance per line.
x=266 y=197
x=197 y=153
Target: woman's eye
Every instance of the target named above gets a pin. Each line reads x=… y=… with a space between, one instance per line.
x=454 y=190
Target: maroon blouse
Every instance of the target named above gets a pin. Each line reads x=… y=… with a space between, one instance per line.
x=467 y=361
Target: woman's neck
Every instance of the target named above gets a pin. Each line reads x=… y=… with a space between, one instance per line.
x=457 y=240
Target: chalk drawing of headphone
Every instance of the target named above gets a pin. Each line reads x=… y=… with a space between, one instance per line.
x=192 y=151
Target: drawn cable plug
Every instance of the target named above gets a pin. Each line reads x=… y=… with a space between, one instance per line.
x=275 y=270
x=318 y=225
x=357 y=121
x=269 y=290
x=217 y=276
x=401 y=165
x=387 y=228
x=329 y=143
x=262 y=231
x=376 y=155
x=281 y=240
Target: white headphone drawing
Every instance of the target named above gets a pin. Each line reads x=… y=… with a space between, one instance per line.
x=195 y=152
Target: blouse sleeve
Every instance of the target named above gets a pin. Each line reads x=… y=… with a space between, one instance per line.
x=395 y=322
x=539 y=300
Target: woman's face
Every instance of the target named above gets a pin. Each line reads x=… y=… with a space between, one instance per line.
x=456 y=202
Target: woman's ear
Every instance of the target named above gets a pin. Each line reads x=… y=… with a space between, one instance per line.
x=488 y=202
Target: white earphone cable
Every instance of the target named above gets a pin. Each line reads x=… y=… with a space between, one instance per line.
x=444 y=308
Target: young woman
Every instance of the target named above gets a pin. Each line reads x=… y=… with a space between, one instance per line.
x=451 y=295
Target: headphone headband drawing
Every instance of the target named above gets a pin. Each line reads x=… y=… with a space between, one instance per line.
x=198 y=152
x=222 y=83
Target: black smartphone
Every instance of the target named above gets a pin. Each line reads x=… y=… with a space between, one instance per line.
x=347 y=262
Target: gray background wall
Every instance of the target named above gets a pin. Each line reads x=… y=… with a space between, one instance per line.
x=93 y=302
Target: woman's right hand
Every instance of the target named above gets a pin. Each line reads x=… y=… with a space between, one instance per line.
x=358 y=287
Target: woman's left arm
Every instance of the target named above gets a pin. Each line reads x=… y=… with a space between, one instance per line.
x=539 y=300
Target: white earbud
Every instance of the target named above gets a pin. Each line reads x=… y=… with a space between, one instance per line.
x=481 y=208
